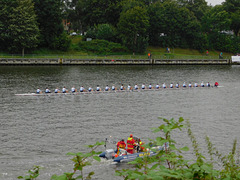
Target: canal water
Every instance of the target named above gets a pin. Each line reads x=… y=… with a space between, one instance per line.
x=42 y=130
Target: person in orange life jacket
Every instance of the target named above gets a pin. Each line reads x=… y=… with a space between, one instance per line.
x=140 y=143
x=130 y=144
x=121 y=144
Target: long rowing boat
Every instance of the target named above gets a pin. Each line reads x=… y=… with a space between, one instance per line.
x=99 y=92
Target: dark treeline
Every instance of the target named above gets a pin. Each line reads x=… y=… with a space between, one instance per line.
x=135 y=24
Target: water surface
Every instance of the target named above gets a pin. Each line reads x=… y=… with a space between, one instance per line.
x=41 y=130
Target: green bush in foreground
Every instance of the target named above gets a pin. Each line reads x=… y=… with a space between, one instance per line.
x=167 y=164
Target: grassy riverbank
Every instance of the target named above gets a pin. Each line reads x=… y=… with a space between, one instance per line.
x=156 y=52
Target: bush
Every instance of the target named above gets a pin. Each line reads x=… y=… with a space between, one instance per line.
x=101 y=47
x=225 y=42
x=61 y=43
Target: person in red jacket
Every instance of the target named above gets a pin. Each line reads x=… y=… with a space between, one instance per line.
x=216 y=84
x=121 y=144
x=130 y=144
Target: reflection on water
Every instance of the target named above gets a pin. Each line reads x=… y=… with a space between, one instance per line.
x=41 y=130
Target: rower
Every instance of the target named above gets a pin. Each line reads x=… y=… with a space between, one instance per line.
x=216 y=84
x=143 y=86
x=90 y=89
x=157 y=86
x=39 y=91
x=56 y=90
x=98 y=88
x=171 y=85
x=177 y=85
x=190 y=85
x=208 y=84
x=184 y=85
x=164 y=85
x=113 y=88
x=150 y=86
x=64 y=90
x=202 y=84
x=107 y=88
x=81 y=89
x=136 y=87
x=47 y=90
x=121 y=87
x=129 y=87
x=195 y=84
x=73 y=89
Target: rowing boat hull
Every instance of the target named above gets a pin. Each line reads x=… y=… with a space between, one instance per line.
x=68 y=94
x=100 y=92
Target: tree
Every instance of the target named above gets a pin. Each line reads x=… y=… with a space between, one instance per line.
x=198 y=7
x=233 y=8
x=49 y=15
x=23 y=29
x=106 y=32
x=132 y=27
x=172 y=25
x=74 y=12
x=6 y=8
x=102 y=12
x=216 y=20
x=235 y=24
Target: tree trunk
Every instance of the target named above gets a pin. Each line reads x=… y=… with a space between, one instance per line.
x=135 y=44
x=22 y=52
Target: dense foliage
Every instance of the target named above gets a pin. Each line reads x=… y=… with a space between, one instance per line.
x=101 y=47
x=134 y=24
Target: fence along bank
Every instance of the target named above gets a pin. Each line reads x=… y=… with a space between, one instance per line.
x=61 y=61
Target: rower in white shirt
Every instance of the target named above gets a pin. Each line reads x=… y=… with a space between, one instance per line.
x=73 y=90
x=47 y=90
x=150 y=86
x=39 y=91
x=177 y=85
x=90 y=89
x=136 y=87
x=56 y=90
x=184 y=85
x=98 y=88
x=81 y=89
x=64 y=90
x=113 y=88
x=107 y=88
x=164 y=85
x=121 y=87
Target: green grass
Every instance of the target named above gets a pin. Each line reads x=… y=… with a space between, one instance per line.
x=157 y=53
